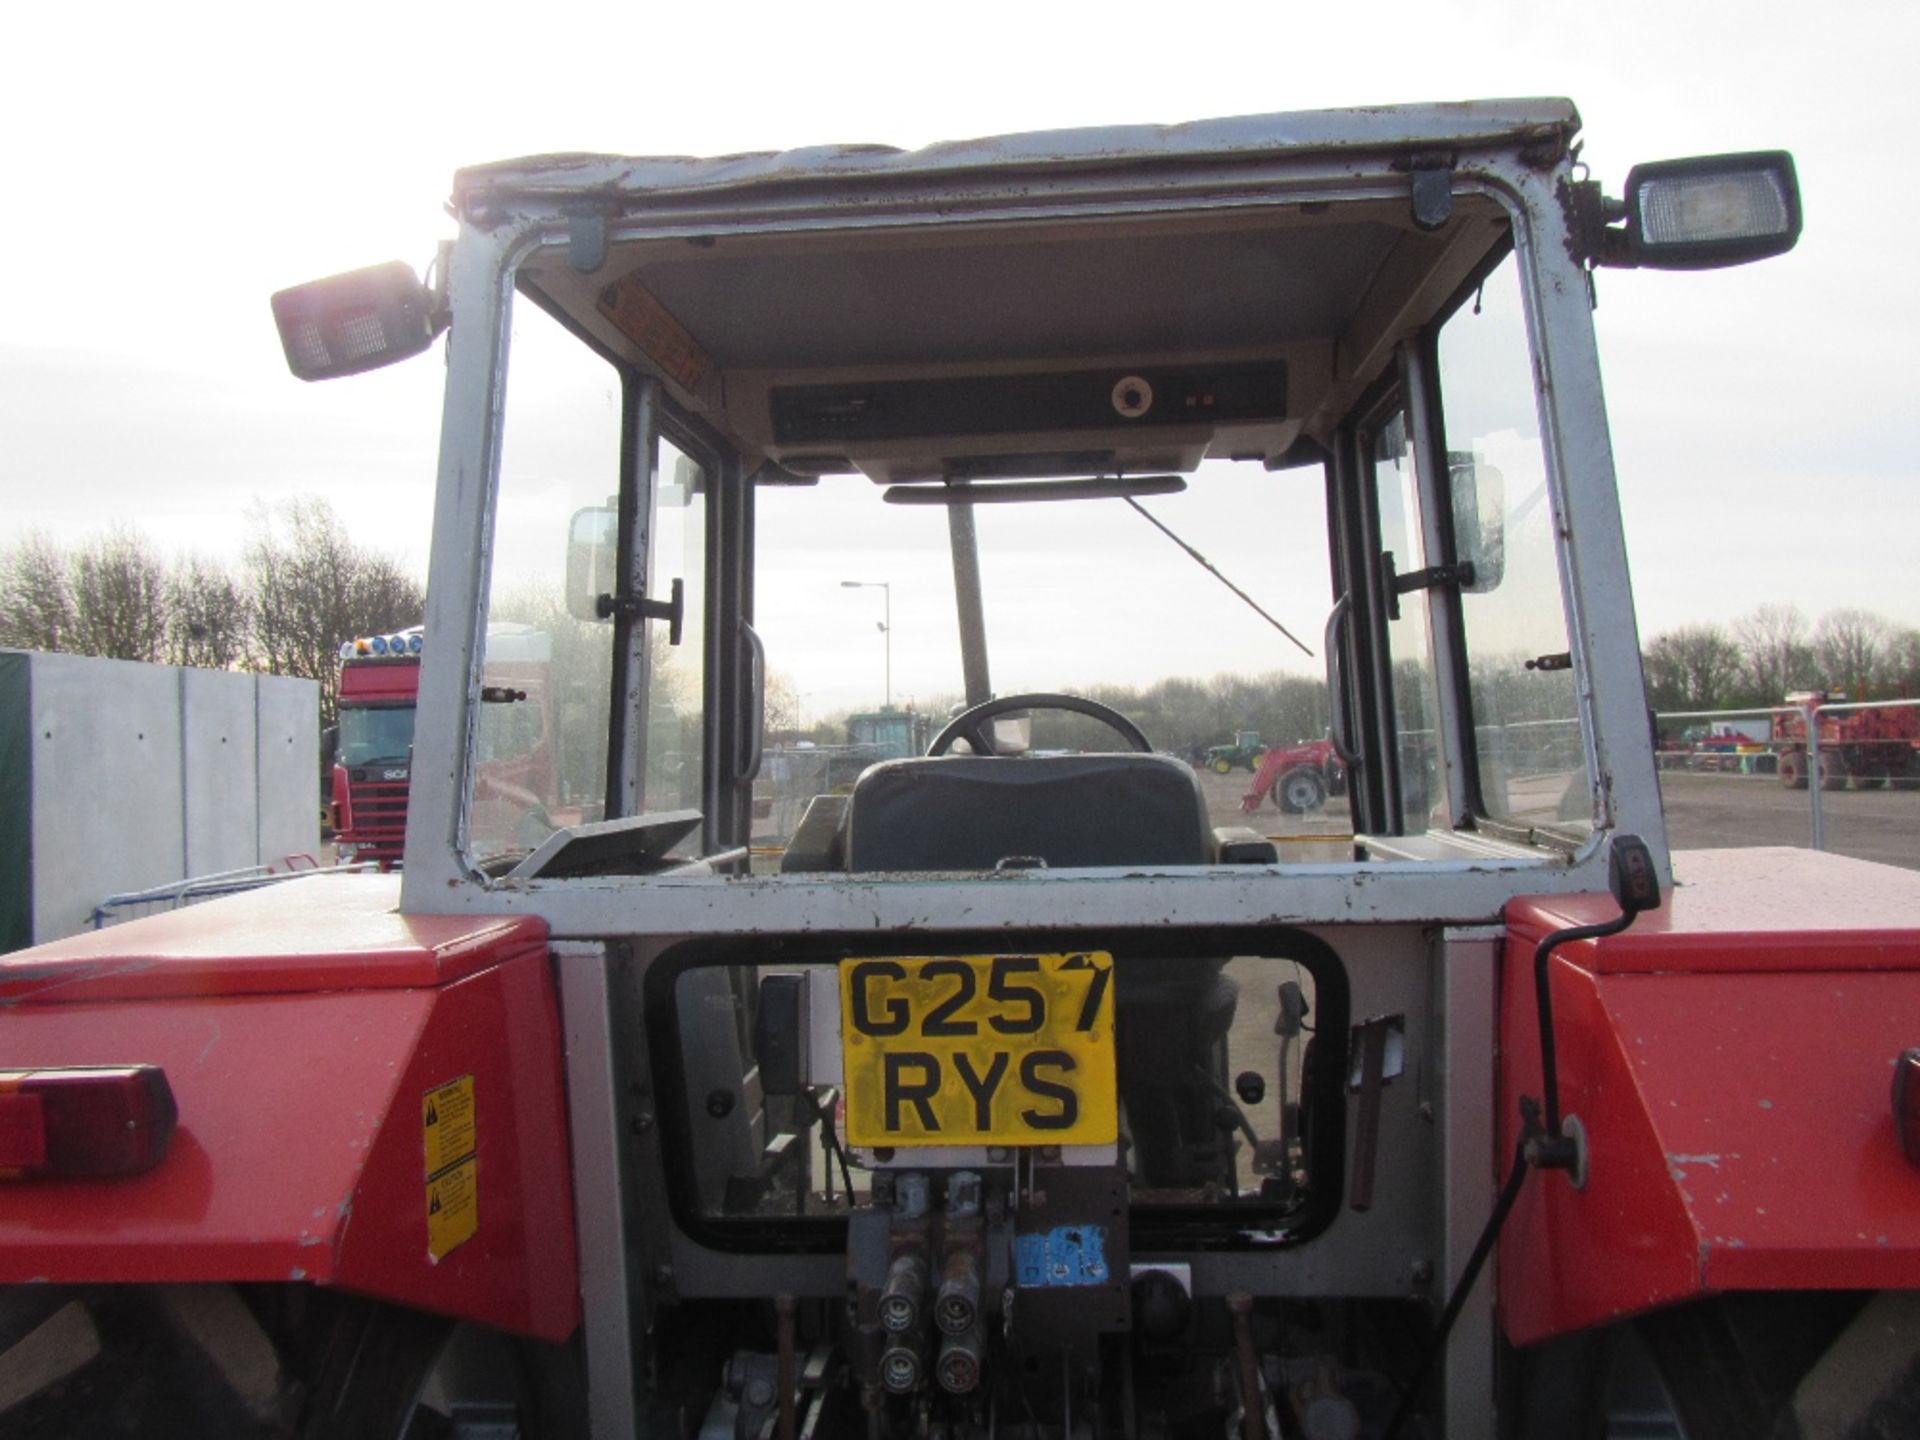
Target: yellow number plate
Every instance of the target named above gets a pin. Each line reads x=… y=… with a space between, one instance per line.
x=979 y=1050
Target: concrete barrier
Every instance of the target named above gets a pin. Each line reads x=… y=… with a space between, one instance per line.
x=118 y=776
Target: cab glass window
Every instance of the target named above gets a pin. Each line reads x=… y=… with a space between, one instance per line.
x=540 y=744
x=1100 y=598
x=676 y=552
x=1525 y=710
x=1410 y=676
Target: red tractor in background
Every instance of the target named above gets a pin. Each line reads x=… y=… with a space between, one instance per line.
x=1872 y=746
x=1298 y=777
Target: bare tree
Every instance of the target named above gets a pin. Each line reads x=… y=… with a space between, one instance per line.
x=208 y=615
x=782 y=704
x=1775 y=652
x=1854 y=650
x=36 y=598
x=119 y=598
x=1693 y=668
x=313 y=588
x=1905 y=653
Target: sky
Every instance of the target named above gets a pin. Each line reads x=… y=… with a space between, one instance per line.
x=169 y=167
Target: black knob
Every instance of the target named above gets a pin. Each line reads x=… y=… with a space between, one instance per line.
x=1160 y=1305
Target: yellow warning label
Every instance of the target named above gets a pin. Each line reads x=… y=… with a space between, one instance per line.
x=453 y=1208
x=447 y=1120
x=452 y=1140
x=651 y=326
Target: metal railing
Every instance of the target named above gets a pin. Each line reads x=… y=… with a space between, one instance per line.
x=1808 y=711
x=134 y=903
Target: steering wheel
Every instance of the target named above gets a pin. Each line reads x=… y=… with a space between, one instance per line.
x=971 y=724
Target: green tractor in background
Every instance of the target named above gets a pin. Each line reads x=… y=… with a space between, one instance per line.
x=1243 y=751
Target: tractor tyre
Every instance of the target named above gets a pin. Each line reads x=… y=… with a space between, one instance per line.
x=1221 y=766
x=1792 y=769
x=1905 y=773
x=1833 y=771
x=279 y=1362
x=1299 y=791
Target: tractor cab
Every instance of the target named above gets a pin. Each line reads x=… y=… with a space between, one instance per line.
x=1029 y=1084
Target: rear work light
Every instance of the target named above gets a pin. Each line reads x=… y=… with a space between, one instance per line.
x=1700 y=213
x=1712 y=210
x=358 y=321
x=90 y=1122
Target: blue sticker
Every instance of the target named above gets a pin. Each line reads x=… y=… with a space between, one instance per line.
x=1067 y=1255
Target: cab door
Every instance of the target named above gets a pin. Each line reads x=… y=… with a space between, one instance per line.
x=1379 y=640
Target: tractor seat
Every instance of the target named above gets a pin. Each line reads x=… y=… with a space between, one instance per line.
x=979 y=812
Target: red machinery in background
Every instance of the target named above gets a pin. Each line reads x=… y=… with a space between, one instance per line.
x=1871 y=746
x=372 y=769
x=1298 y=777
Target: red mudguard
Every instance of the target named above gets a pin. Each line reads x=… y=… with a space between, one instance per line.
x=367 y=1100
x=1730 y=1059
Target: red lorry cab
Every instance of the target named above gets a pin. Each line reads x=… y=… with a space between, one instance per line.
x=378 y=687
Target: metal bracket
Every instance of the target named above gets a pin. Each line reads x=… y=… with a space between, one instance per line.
x=1455 y=576
x=1594 y=219
x=671 y=610
x=587 y=245
x=1432 y=193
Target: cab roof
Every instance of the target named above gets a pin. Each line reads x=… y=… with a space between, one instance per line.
x=1472 y=123
x=814 y=284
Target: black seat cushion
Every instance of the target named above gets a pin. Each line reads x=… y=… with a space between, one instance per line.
x=972 y=812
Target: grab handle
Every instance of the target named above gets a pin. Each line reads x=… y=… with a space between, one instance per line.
x=753 y=719
x=1336 y=701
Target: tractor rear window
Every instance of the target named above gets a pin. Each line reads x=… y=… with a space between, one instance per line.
x=1092 y=597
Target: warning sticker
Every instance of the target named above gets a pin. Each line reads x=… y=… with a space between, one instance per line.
x=447 y=1119
x=451 y=1136
x=453 y=1208
x=653 y=327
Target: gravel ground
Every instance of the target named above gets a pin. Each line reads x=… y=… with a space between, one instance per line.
x=1719 y=811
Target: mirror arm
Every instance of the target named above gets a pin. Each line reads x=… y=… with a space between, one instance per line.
x=1459 y=577
x=671 y=610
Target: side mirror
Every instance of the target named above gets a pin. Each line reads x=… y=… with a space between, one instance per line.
x=1479 y=519
x=358 y=321
x=592 y=553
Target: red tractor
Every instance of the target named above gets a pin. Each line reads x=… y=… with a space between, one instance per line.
x=1871 y=746
x=1298 y=777
x=1014 y=1097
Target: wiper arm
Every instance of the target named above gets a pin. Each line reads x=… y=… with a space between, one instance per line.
x=1211 y=569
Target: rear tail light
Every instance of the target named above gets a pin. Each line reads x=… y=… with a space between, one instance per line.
x=84 y=1123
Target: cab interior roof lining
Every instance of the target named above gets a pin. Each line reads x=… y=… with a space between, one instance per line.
x=913 y=301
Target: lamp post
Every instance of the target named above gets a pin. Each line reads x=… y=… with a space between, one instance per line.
x=886 y=626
